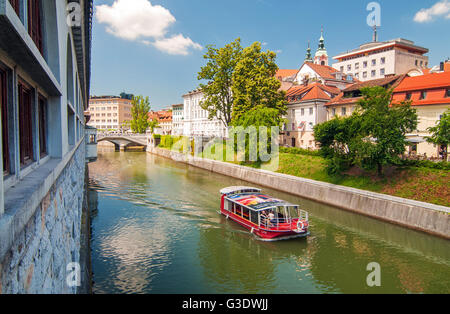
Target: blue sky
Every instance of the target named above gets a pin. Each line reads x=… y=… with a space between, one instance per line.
x=155 y=48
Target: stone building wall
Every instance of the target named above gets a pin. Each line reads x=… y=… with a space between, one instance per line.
x=38 y=259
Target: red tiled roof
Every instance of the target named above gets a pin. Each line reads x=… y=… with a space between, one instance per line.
x=312 y=91
x=394 y=80
x=422 y=82
x=324 y=71
x=387 y=81
x=285 y=73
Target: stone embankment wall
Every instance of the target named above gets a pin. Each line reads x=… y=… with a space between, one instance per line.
x=36 y=251
x=429 y=218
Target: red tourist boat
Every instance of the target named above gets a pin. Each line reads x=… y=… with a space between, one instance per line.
x=268 y=218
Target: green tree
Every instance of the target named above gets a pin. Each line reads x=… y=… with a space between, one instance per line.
x=139 y=112
x=372 y=137
x=255 y=84
x=384 y=126
x=338 y=140
x=153 y=124
x=252 y=121
x=440 y=134
x=218 y=73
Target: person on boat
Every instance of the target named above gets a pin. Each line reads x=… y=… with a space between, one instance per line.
x=272 y=219
x=264 y=218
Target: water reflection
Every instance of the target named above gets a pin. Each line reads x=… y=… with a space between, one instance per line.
x=157 y=230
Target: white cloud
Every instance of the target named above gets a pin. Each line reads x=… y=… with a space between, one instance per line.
x=139 y=20
x=177 y=44
x=441 y=8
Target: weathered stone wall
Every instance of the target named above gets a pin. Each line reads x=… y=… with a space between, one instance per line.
x=37 y=260
x=421 y=216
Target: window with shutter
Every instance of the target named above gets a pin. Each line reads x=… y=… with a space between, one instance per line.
x=25 y=124
x=34 y=22
x=5 y=130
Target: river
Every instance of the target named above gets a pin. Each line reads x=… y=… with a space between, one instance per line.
x=156 y=229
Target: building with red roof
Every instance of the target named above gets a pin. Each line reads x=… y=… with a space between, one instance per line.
x=305 y=110
x=164 y=117
x=345 y=103
x=430 y=96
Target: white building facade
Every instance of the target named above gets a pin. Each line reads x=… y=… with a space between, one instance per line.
x=377 y=60
x=196 y=121
x=177 y=119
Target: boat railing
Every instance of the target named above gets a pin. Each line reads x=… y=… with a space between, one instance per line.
x=277 y=223
x=281 y=223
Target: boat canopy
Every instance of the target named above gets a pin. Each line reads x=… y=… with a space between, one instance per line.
x=239 y=189
x=257 y=201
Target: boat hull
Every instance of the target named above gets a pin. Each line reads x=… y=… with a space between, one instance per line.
x=264 y=234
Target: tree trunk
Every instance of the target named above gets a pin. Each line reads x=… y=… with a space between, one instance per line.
x=380 y=169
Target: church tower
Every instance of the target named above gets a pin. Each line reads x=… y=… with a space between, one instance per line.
x=308 y=57
x=321 y=56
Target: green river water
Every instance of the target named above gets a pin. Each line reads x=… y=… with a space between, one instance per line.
x=156 y=229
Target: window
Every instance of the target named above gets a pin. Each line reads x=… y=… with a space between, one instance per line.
x=34 y=22
x=383 y=60
x=254 y=215
x=423 y=95
x=357 y=66
x=382 y=71
x=5 y=133
x=311 y=111
x=447 y=93
x=408 y=96
x=333 y=112
x=16 y=6
x=25 y=125
x=349 y=67
x=374 y=62
x=42 y=112
x=374 y=73
x=365 y=64
x=303 y=111
x=364 y=74
x=342 y=69
x=344 y=111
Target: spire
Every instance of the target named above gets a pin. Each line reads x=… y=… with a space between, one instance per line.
x=321 y=40
x=321 y=56
x=375 y=34
x=308 y=57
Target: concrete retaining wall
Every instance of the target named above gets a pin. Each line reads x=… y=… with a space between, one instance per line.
x=421 y=216
x=41 y=236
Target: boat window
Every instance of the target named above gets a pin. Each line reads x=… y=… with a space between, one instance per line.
x=246 y=213
x=228 y=205
x=280 y=212
x=254 y=215
x=238 y=210
x=293 y=211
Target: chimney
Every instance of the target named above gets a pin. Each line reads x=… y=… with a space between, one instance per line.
x=441 y=68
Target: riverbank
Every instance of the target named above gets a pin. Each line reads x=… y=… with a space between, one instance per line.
x=425 y=217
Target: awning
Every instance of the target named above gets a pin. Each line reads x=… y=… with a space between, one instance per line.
x=415 y=140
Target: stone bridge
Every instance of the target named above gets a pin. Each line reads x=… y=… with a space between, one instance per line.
x=122 y=141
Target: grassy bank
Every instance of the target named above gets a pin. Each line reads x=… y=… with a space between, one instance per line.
x=417 y=183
